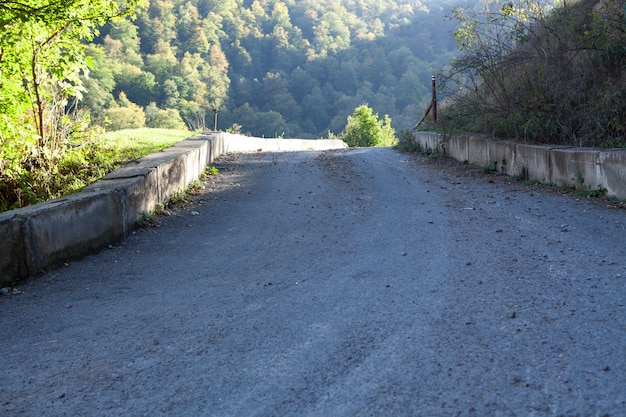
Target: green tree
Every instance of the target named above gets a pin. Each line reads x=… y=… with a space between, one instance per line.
x=42 y=68
x=42 y=57
x=331 y=34
x=190 y=32
x=217 y=77
x=126 y=32
x=140 y=86
x=278 y=98
x=364 y=129
x=156 y=22
x=195 y=104
x=162 y=63
x=165 y=119
x=301 y=83
x=315 y=110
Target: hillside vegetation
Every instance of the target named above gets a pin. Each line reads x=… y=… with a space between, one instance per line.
x=69 y=70
x=541 y=74
x=535 y=70
x=270 y=67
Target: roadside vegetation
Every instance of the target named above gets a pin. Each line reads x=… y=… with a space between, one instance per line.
x=540 y=71
x=366 y=129
x=79 y=163
x=71 y=70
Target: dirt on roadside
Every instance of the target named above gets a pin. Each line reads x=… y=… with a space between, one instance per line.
x=455 y=169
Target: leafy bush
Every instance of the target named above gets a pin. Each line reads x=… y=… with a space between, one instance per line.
x=29 y=176
x=17 y=154
x=364 y=129
x=407 y=142
x=125 y=118
x=163 y=118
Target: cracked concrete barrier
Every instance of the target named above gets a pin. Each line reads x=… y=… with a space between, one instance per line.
x=477 y=152
x=532 y=162
x=47 y=234
x=456 y=146
x=502 y=156
x=612 y=165
x=577 y=167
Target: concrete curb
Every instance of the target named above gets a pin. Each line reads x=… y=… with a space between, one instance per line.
x=582 y=168
x=36 y=237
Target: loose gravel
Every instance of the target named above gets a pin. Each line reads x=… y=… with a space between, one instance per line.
x=359 y=282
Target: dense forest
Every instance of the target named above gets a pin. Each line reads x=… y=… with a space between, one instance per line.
x=270 y=67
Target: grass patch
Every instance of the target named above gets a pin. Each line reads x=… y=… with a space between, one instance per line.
x=35 y=177
x=137 y=143
x=597 y=193
x=489 y=166
x=179 y=199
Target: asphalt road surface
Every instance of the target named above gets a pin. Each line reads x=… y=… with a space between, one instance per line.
x=360 y=282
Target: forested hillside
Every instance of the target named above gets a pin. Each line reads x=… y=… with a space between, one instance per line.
x=545 y=71
x=271 y=67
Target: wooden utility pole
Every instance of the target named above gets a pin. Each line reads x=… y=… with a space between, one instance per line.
x=215 y=111
x=434 y=100
x=432 y=106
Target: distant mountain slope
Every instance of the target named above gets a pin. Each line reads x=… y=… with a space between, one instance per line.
x=271 y=67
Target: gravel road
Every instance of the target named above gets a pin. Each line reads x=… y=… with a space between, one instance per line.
x=360 y=282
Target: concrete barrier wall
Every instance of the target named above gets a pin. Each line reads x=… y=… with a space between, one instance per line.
x=532 y=162
x=612 y=165
x=582 y=168
x=456 y=145
x=36 y=237
x=235 y=143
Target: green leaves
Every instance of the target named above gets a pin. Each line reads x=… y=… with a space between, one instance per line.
x=42 y=61
x=364 y=129
x=43 y=57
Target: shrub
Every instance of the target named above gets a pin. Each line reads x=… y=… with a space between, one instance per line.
x=540 y=73
x=364 y=129
x=128 y=116
x=163 y=118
